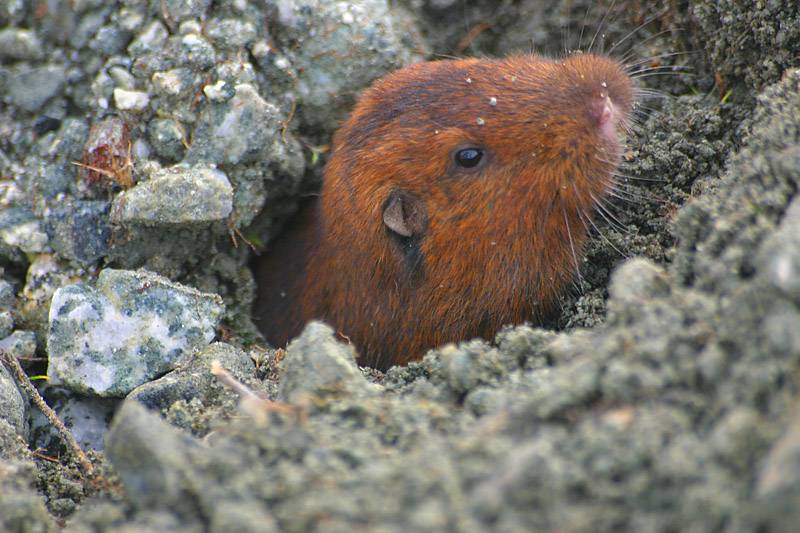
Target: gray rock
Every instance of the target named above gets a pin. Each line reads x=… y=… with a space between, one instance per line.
x=340 y=47
x=45 y=274
x=172 y=82
x=31 y=87
x=8 y=299
x=110 y=39
x=193 y=380
x=19 y=343
x=244 y=516
x=87 y=26
x=636 y=281
x=6 y=323
x=8 y=295
x=87 y=418
x=778 y=481
x=19 y=228
x=12 y=12
x=236 y=131
x=195 y=50
x=469 y=365
x=150 y=39
x=16 y=43
x=318 y=365
x=80 y=231
x=135 y=101
x=22 y=507
x=13 y=407
x=177 y=11
x=780 y=255
x=167 y=137
x=231 y=33
x=151 y=458
x=129 y=329
x=175 y=196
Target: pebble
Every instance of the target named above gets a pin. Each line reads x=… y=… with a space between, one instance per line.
x=130 y=328
x=176 y=195
x=18 y=44
x=126 y=100
x=30 y=88
x=319 y=365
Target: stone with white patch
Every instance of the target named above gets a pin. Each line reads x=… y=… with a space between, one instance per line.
x=130 y=328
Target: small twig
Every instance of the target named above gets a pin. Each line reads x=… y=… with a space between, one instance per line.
x=251 y=403
x=285 y=123
x=234 y=233
x=25 y=383
x=40 y=455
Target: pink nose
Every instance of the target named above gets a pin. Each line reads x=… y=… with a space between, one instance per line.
x=602 y=109
x=605 y=114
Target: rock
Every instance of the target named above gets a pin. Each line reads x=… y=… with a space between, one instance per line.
x=172 y=82
x=235 y=131
x=177 y=11
x=193 y=380
x=87 y=418
x=136 y=101
x=245 y=516
x=13 y=407
x=130 y=328
x=45 y=275
x=30 y=88
x=174 y=196
x=16 y=43
x=636 y=281
x=110 y=39
x=316 y=364
x=6 y=323
x=777 y=486
x=780 y=255
x=150 y=39
x=80 y=231
x=87 y=26
x=7 y=294
x=8 y=299
x=13 y=12
x=151 y=458
x=106 y=153
x=19 y=344
x=197 y=51
x=468 y=365
x=167 y=137
x=19 y=228
x=231 y=33
x=22 y=507
x=361 y=42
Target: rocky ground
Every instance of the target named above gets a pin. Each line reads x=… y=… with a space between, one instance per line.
x=147 y=148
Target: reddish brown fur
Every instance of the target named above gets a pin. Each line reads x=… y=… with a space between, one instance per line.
x=501 y=241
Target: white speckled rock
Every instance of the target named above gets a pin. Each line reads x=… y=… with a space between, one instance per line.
x=131 y=100
x=235 y=130
x=176 y=195
x=129 y=329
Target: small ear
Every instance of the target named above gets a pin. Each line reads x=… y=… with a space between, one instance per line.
x=404 y=214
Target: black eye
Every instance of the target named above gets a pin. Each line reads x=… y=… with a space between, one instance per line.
x=469 y=157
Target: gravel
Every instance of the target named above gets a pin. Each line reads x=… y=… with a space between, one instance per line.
x=662 y=398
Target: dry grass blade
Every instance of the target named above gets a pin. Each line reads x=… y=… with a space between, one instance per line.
x=25 y=384
x=251 y=403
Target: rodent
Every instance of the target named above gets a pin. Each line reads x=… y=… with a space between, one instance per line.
x=456 y=200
